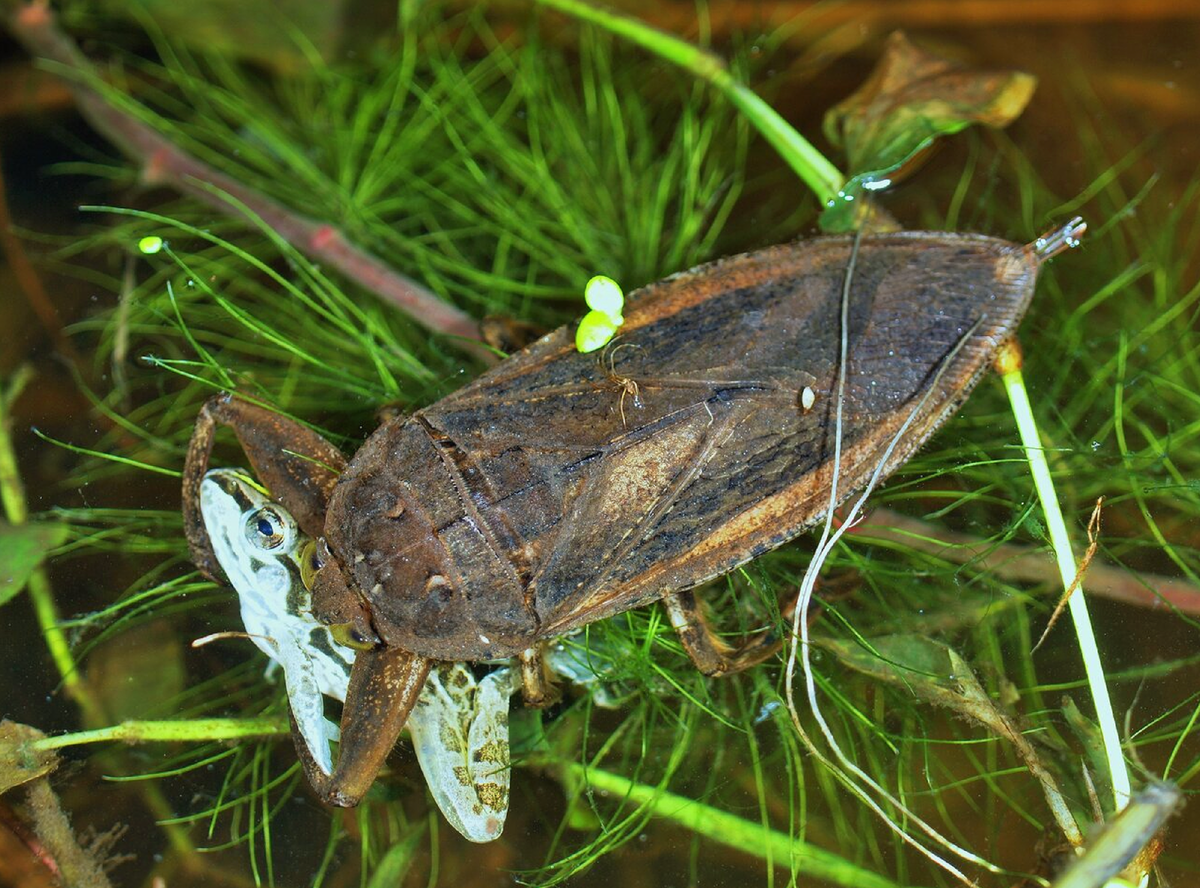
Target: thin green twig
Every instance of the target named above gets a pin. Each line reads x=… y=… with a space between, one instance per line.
x=193 y=730
x=1008 y=363
x=12 y=495
x=720 y=826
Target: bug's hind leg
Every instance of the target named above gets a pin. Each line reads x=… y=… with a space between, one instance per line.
x=711 y=655
x=537 y=689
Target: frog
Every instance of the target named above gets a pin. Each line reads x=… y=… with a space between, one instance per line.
x=459 y=724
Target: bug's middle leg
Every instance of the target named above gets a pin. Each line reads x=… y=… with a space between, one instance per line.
x=711 y=655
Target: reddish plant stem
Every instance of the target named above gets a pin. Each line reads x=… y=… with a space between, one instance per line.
x=1012 y=561
x=37 y=851
x=34 y=26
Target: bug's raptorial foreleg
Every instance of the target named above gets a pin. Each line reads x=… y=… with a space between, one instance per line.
x=710 y=654
x=384 y=686
x=297 y=465
x=537 y=688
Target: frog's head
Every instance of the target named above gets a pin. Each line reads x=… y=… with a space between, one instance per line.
x=256 y=542
x=265 y=555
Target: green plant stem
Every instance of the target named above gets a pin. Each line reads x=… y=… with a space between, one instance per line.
x=12 y=495
x=809 y=164
x=728 y=829
x=1008 y=362
x=171 y=731
x=41 y=596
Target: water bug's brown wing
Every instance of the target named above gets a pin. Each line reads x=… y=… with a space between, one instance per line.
x=684 y=450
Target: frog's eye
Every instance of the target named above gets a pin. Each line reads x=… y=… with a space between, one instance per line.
x=352 y=637
x=266 y=529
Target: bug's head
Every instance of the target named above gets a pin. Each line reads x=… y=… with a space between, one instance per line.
x=336 y=603
x=386 y=567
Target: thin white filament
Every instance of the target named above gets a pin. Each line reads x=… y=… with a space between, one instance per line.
x=800 y=634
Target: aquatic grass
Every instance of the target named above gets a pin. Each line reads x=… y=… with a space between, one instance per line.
x=204 y=299
x=248 y=335
x=421 y=198
x=822 y=177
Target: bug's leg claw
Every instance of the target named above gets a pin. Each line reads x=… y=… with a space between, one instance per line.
x=384 y=686
x=537 y=688
x=296 y=464
x=711 y=655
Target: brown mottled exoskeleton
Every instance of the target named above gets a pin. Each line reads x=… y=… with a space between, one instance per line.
x=529 y=503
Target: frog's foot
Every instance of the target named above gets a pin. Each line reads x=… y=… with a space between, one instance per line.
x=509 y=334
x=459 y=731
x=589 y=667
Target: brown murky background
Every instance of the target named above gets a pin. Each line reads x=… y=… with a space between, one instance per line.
x=1138 y=58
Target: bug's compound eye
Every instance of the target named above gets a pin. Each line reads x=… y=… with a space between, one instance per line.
x=353 y=637
x=266 y=529
x=311 y=561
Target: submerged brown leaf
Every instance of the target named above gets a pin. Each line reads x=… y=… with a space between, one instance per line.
x=138 y=672
x=912 y=96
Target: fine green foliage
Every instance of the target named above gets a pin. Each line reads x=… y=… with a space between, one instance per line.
x=503 y=175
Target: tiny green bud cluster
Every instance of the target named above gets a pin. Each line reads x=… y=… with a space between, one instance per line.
x=150 y=244
x=606 y=301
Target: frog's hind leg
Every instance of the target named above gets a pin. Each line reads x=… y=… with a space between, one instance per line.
x=297 y=465
x=710 y=654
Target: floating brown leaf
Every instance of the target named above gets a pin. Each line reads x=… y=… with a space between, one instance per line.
x=910 y=99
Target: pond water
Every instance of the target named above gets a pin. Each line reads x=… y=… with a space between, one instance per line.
x=1111 y=133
